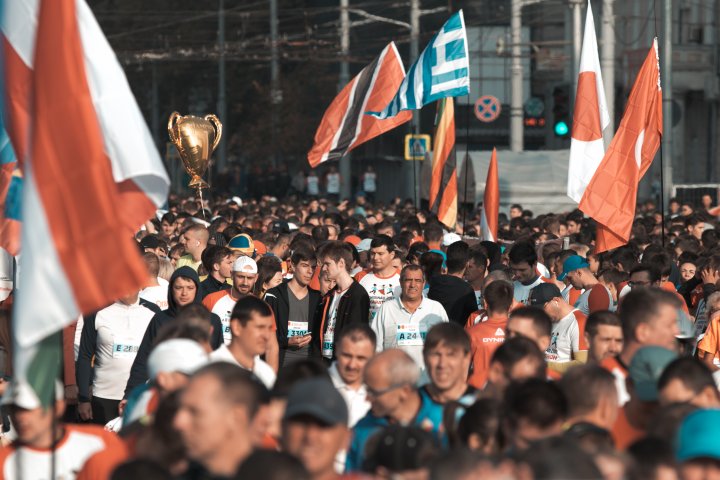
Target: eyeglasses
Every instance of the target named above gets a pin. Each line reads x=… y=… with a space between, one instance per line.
x=379 y=393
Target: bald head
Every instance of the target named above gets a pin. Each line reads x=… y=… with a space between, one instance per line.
x=392 y=366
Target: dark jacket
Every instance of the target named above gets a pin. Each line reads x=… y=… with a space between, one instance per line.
x=278 y=299
x=138 y=372
x=354 y=307
x=210 y=285
x=455 y=295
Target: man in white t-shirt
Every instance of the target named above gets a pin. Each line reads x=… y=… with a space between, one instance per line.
x=523 y=262
x=355 y=345
x=369 y=180
x=382 y=282
x=156 y=291
x=251 y=325
x=404 y=322
x=313 y=184
x=332 y=184
x=221 y=303
x=567 y=341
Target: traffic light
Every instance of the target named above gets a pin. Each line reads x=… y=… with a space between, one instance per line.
x=561 y=111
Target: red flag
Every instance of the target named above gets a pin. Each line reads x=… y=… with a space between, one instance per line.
x=345 y=125
x=491 y=201
x=611 y=195
x=443 y=184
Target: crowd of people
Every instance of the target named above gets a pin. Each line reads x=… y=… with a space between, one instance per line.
x=322 y=339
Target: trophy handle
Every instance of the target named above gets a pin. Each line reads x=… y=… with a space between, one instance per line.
x=218 y=129
x=172 y=121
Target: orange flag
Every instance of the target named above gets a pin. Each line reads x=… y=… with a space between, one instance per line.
x=444 y=185
x=491 y=201
x=611 y=195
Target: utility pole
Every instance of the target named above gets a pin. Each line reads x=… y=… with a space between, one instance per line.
x=516 y=83
x=345 y=171
x=275 y=92
x=410 y=168
x=577 y=44
x=666 y=84
x=222 y=103
x=607 y=63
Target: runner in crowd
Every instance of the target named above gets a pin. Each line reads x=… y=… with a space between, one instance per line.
x=400 y=389
x=404 y=322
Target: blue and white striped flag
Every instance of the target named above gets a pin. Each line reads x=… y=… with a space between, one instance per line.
x=442 y=70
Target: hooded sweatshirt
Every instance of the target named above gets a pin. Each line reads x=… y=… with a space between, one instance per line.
x=138 y=373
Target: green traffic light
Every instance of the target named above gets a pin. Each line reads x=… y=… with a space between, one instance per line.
x=561 y=128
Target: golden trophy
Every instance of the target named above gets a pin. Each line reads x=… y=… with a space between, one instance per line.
x=195 y=139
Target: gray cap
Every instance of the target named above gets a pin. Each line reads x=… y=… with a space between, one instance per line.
x=317 y=398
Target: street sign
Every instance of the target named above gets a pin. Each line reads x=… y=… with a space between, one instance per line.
x=416 y=146
x=487 y=108
x=534 y=107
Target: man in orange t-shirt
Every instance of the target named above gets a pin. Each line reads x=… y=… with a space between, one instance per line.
x=488 y=335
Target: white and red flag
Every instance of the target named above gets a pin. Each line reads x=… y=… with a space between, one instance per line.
x=590 y=117
x=92 y=173
x=611 y=195
x=345 y=125
x=491 y=202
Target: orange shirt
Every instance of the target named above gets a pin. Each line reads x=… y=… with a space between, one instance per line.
x=581 y=321
x=573 y=295
x=624 y=433
x=485 y=338
x=710 y=342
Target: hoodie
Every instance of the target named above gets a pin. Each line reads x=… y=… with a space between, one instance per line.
x=138 y=372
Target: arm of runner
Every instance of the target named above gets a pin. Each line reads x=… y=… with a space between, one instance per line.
x=272 y=353
x=83 y=366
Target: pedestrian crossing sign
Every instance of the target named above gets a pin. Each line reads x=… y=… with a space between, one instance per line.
x=416 y=146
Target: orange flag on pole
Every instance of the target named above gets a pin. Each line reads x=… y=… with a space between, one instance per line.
x=444 y=185
x=611 y=195
x=491 y=202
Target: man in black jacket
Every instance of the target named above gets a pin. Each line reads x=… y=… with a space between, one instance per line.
x=455 y=294
x=347 y=303
x=294 y=305
x=183 y=291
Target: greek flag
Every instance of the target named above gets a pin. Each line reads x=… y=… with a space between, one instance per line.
x=441 y=71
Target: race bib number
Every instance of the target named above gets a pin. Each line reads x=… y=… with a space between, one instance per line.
x=124 y=349
x=227 y=335
x=328 y=344
x=297 y=329
x=409 y=335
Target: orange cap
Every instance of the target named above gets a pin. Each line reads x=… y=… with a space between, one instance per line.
x=354 y=239
x=260 y=247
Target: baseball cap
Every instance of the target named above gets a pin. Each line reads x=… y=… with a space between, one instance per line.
x=317 y=398
x=260 y=247
x=645 y=369
x=697 y=436
x=450 y=238
x=280 y=226
x=245 y=265
x=21 y=394
x=543 y=293
x=242 y=243
x=364 y=245
x=176 y=355
x=572 y=263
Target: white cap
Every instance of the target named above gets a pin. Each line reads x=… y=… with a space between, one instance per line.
x=176 y=355
x=450 y=238
x=245 y=264
x=21 y=394
x=364 y=245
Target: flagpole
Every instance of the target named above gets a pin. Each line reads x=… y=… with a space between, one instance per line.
x=467 y=159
